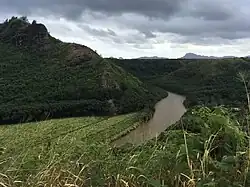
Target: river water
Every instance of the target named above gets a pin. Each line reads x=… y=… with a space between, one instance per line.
x=167 y=112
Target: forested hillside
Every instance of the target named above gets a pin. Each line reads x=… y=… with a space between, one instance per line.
x=206 y=81
x=42 y=77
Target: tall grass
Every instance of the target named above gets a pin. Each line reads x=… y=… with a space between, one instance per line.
x=202 y=170
x=243 y=77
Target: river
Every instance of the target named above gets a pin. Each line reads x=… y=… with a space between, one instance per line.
x=167 y=112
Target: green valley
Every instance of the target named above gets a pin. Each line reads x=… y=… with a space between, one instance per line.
x=70 y=118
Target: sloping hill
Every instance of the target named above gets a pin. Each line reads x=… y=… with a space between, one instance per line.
x=209 y=82
x=42 y=77
x=203 y=81
x=147 y=69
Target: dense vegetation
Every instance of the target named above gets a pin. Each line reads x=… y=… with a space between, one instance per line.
x=208 y=147
x=42 y=77
x=209 y=82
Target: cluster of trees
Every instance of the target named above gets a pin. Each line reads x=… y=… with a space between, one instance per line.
x=21 y=33
x=12 y=113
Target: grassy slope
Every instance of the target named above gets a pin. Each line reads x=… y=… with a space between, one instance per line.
x=35 y=147
x=76 y=152
x=43 y=77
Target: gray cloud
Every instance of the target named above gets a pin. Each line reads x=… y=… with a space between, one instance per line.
x=143 y=46
x=212 y=10
x=108 y=34
x=148 y=34
x=200 y=22
x=231 y=29
x=74 y=8
x=98 y=32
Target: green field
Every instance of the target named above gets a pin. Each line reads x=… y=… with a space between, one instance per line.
x=34 y=148
x=208 y=147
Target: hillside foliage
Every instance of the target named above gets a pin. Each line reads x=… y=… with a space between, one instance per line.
x=209 y=82
x=42 y=77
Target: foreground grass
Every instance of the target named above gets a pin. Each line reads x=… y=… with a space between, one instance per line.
x=29 y=150
x=208 y=147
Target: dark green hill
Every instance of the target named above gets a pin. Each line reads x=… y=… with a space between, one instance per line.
x=206 y=81
x=147 y=69
x=42 y=77
x=209 y=82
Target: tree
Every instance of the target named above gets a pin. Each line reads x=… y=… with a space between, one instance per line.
x=24 y=18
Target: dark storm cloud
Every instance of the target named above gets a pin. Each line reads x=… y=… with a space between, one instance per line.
x=201 y=22
x=231 y=29
x=193 y=21
x=212 y=10
x=151 y=8
x=73 y=9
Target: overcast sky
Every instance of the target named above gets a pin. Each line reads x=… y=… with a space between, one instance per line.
x=134 y=28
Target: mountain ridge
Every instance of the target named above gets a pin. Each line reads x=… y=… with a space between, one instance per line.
x=152 y=57
x=196 y=56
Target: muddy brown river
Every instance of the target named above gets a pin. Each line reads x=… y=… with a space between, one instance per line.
x=167 y=112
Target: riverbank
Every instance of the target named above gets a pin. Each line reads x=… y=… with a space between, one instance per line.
x=167 y=112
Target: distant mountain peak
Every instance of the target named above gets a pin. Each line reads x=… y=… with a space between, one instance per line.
x=195 y=56
x=152 y=57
